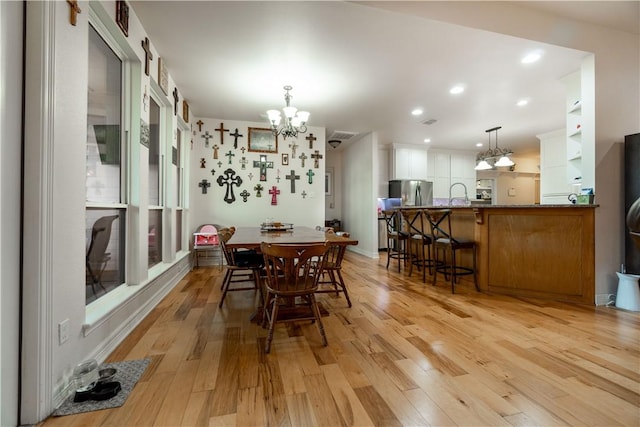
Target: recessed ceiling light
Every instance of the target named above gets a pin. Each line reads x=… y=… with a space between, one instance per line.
x=479 y=144
x=427 y=140
x=456 y=89
x=417 y=112
x=531 y=57
x=522 y=102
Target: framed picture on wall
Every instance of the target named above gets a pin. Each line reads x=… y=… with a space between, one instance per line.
x=328 y=182
x=163 y=76
x=285 y=159
x=262 y=141
x=122 y=16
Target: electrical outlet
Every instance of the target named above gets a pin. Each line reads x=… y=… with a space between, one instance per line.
x=63 y=331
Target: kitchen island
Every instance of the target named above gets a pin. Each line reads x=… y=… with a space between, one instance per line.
x=541 y=251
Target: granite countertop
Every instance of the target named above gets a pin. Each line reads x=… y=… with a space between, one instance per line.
x=485 y=206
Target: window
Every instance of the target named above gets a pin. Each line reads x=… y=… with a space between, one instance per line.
x=155 y=184
x=105 y=208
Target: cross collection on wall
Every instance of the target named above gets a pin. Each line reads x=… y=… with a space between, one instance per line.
x=260 y=158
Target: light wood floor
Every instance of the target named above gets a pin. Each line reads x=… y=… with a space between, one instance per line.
x=405 y=354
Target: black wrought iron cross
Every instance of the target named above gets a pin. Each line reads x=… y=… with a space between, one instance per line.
x=204 y=184
x=263 y=165
x=293 y=177
x=235 y=136
x=229 y=179
x=316 y=159
x=176 y=98
x=245 y=195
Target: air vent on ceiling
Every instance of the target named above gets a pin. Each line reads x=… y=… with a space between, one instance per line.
x=429 y=121
x=342 y=135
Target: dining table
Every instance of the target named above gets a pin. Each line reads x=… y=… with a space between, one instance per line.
x=252 y=237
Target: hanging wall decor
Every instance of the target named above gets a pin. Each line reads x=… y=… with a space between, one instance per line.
x=199 y=123
x=204 y=184
x=250 y=176
x=185 y=111
x=274 y=194
x=222 y=130
x=213 y=172
x=303 y=194
x=215 y=151
x=74 y=9
x=310 y=174
x=148 y=56
x=163 y=76
x=316 y=159
x=122 y=16
x=262 y=141
x=235 y=136
x=207 y=136
x=311 y=138
x=243 y=163
x=293 y=178
x=245 y=195
x=258 y=189
x=219 y=163
x=230 y=155
x=303 y=157
x=263 y=165
x=293 y=147
x=203 y=163
x=144 y=133
x=176 y=98
x=285 y=159
x=229 y=179
x=243 y=149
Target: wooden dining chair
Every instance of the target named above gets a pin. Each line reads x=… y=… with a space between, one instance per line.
x=240 y=267
x=292 y=273
x=333 y=269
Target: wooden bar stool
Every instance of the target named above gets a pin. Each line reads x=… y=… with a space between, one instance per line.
x=419 y=241
x=440 y=222
x=396 y=238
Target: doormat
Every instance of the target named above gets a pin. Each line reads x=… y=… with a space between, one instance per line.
x=127 y=374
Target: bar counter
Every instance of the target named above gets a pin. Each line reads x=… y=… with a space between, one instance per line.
x=540 y=251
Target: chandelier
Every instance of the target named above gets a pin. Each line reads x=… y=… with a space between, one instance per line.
x=294 y=121
x=501 y=154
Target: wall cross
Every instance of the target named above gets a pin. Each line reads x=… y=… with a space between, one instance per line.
x=243 y=163
x=148 y=56
x=235 y=136
x=176 y=98
x=311 y=138
x=204 y=184
x=258 y=189
x=229 y=180
x=293 y=177
x=245 y=194
x=310 y=174
x=230 y=155
x=74 y=9
x=316 y=159
x=222 y=130
x=274 y=193
x=293 y=147
x=263 y=165
x=303 y=157
x=207 y=136
x=215 y=151
x=199 y=123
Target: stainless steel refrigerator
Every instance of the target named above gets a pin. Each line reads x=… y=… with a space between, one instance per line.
x=412 y=192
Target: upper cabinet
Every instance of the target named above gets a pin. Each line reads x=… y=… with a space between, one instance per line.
x=408 y=162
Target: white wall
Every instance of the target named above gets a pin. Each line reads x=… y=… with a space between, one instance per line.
x=11 y=25
x=333 y=203
x=617 y=94
x=54 y=207
x=291 y=208
x=360 y=181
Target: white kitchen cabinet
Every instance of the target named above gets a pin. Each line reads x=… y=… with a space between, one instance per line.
x=446 y=168
x=408 y=162
x=554 y=188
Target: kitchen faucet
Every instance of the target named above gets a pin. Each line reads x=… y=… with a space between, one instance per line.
x=466 y=196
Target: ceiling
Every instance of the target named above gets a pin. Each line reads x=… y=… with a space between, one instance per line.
x=361 y=69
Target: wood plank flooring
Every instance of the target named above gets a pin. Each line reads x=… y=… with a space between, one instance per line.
x=405 y=354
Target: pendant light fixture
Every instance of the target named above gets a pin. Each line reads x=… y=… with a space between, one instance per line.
x=502 y=155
